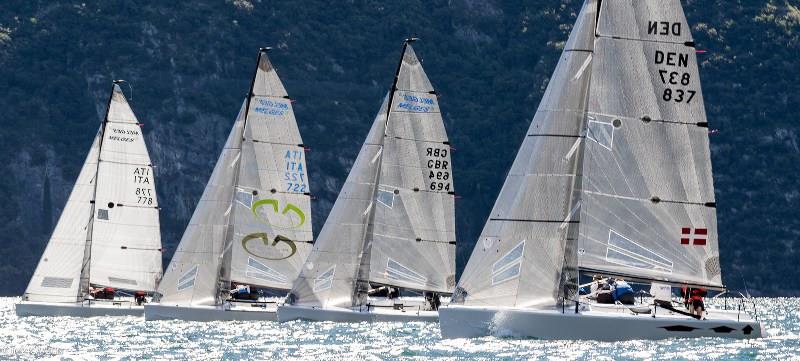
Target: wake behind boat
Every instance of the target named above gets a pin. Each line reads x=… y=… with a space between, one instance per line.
x=614 y=180
x=251 y=231
x=387 y=250
x=104 y=256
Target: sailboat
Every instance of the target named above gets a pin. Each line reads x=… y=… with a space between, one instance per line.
x=387 y=249
x=613 y=180
x=104 y=255
x=251 y=231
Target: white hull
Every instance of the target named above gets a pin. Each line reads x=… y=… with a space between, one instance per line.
x=156 y=311
x=78 y=309
x=340 y=314
x=468 y=322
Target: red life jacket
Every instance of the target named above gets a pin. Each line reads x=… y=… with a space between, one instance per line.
x=697 y=294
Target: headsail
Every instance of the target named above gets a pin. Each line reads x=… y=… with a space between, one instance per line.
x=57 y=277
x=520 y=255
x=126 y=237
x=192 y=275
x=272 y=207
x=329 y=275
x=648 y=198
x=393 y=221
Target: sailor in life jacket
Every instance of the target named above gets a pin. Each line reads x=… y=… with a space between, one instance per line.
x=693 y=298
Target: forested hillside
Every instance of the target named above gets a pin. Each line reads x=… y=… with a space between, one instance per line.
x=189 y=65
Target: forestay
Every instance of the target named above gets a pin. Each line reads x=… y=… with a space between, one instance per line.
x=272 y=209
x=192 y=275
x=522 y=252
x=126 y=238
x=648 y=199
x=57 y=277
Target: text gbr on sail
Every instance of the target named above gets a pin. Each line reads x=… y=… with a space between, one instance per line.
x=663 y=28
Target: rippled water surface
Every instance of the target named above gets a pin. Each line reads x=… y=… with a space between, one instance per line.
x=131 y=338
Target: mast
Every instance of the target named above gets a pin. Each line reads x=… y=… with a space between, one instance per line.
x=85 y=272
x=227 y=249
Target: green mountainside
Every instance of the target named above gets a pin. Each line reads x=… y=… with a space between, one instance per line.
x=189 y=65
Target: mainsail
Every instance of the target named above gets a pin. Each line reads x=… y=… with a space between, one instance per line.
x=393 y=222
x=253 y=222
x=125 y=236
x=614 y=176
x=108 y=233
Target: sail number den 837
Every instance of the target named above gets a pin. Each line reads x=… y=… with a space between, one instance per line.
x=676 y=81
x=438 y=169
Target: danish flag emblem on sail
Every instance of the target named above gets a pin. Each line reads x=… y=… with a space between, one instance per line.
x=696 y=236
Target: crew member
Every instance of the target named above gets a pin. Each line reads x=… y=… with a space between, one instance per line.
x=696 y=296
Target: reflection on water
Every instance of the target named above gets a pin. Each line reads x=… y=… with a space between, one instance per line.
x=132 y=338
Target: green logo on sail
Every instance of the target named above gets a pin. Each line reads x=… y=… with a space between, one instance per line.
x=279 y=239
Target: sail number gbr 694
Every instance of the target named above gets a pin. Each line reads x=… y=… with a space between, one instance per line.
x=438 y=169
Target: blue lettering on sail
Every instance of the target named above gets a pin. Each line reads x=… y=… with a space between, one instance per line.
x=416 y=104
x=294 y=174
x=270 y=107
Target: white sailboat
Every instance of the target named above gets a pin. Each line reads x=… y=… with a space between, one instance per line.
x=104 y=256
x=251 y=231
x=387 y=250
x=613 y=179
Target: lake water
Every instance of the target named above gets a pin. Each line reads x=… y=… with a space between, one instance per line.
x=130 y=338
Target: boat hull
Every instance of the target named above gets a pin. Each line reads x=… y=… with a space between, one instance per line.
x=340 y=314
x=153 y=312
x=469 y=322
x=77 y=309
